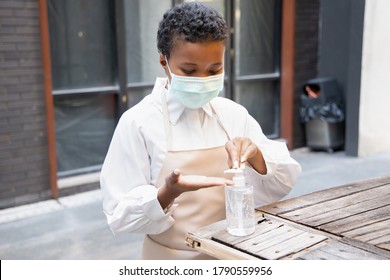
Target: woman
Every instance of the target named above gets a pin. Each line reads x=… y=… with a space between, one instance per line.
x=163 y=174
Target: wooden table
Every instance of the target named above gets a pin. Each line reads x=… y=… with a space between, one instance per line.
x=346 y=222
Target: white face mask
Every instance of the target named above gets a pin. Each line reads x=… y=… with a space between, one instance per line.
x=194 y=92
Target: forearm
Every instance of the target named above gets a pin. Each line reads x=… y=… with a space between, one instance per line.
x=165 y=197
x=257 y=162
x=137 y=211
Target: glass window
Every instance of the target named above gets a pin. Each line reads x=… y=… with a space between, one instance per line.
x=82 y=35
x=142 y=19
x=136 y=95
x=259 y=98
x=255 y=32
x=84 y=127
x=256 y=61
x=83 y=56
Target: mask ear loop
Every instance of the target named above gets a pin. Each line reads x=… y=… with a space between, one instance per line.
x=170 y=72
x=169 y=68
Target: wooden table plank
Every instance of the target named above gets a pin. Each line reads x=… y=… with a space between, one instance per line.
x=385 y=246
x=367 y=247
x=314 y=198
x=216 y=249
x=269 y=239
x=220 y=228
x=381 y=240
x=261 y=229
x=355 y=221
x=302 y=241
x=320 y=255
x=354 y=209
x=374 y=233
x=208 y=231
x=272 y=240
x=337 y=250
x=377 y=196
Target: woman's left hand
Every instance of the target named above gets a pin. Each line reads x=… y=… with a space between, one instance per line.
x=242 y=150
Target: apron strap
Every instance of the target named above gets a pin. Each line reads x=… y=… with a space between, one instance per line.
x=167 y=125
x=219 y=119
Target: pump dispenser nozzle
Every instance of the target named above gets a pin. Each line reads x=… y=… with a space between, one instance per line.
x=238 y=178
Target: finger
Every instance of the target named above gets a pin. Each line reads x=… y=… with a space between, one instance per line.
x=173 y=178
x=230 y=163
x=249 y=153
x=246 y=152
x=217 y=181
x=176 y=172
x=245 y=144
x=232 y=152
x=229 y=182
x=238 y=144
x=196 y=182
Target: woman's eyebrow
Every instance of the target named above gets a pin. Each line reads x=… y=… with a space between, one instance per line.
x=191 y=64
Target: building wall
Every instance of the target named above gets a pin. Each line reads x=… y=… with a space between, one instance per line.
x=374 y=125
x=306 y=57
x=24 y=167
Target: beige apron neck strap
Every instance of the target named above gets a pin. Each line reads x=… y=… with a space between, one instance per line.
x=166 y=120
x=220 y=121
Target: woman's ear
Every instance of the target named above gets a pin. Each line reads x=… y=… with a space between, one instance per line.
x=163 y=61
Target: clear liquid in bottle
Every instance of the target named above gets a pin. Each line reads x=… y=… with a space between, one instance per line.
x=240 y=213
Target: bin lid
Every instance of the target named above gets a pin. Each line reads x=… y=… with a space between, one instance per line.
x=327 y=87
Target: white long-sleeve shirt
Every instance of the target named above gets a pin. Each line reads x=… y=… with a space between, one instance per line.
x=138 y=148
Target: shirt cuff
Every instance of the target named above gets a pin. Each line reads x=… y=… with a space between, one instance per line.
x=252 y=173
x=154 y=211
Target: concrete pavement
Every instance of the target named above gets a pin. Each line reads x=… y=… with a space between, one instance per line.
x=74 y=227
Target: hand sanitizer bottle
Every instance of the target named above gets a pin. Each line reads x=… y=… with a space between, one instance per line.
x=240 y=212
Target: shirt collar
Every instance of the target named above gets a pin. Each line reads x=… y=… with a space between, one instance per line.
x=175 y=108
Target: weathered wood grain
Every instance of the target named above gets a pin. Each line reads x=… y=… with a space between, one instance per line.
x=314 y=198
x=273 y=240
x=292 y=245
x=385 y=246
x=374 y=233
x=355 y=209
x=338 y=207
x=366 y=246
x=355 y=221
x=260 y=230
x=337 y=250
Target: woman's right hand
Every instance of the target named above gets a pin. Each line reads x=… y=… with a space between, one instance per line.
x=176 y=184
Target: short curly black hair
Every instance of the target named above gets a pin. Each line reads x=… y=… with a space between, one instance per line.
x=192 y=22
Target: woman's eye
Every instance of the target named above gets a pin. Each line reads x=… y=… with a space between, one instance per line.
x=188 y=72
x=214 y=72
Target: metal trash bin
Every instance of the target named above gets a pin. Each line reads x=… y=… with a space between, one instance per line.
x=322 y=112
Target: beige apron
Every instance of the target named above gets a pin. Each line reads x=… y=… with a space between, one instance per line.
x=195 y=208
